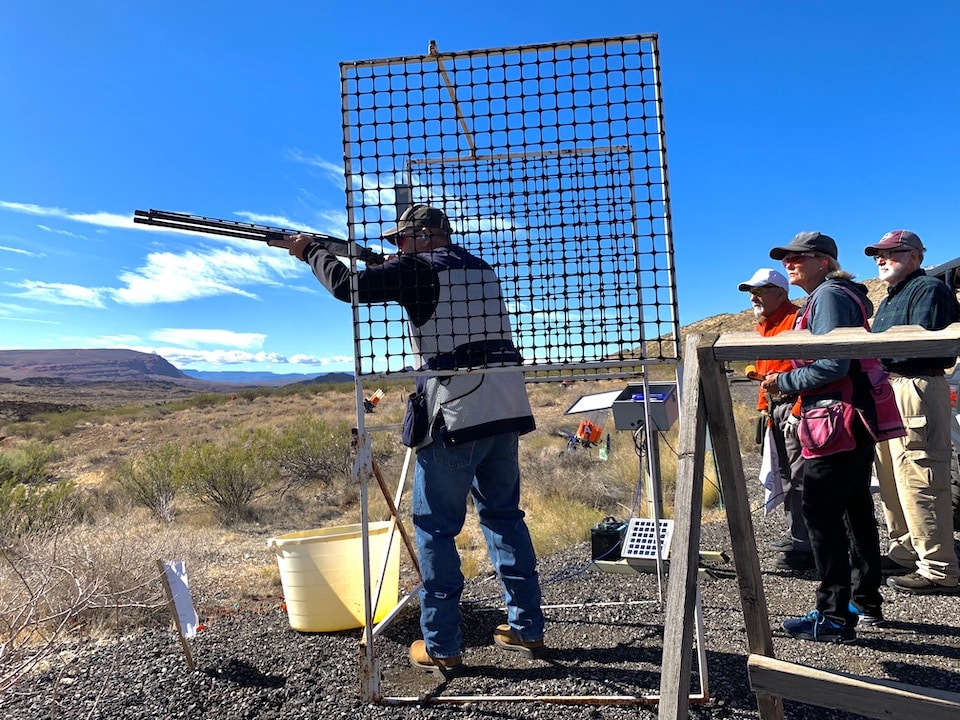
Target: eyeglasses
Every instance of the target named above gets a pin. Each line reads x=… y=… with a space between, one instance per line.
x=762 y=290
x=797 y=258
x=888 y=254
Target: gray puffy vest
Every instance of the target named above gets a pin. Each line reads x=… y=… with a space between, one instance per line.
x=470 y=327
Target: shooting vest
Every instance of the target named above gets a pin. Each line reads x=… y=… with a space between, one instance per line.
x=469 y=328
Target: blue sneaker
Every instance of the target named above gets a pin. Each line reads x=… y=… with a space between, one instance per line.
x=867 y=618
x=819 y=628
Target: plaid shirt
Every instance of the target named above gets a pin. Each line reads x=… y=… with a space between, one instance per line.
x=918 y=299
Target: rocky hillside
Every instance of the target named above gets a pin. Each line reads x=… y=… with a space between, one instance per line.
x=85 y=366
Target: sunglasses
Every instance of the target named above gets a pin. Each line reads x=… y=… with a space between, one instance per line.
x=762 y=290
x=411 y=234
x=888 y=254
x=797 y=258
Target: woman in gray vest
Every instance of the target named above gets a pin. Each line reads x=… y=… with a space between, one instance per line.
x=465 y=426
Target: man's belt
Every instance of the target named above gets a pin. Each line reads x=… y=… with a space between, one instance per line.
x=483 y=353
x=928 y=372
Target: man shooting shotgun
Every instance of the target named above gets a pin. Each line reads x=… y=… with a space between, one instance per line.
x=250 y=231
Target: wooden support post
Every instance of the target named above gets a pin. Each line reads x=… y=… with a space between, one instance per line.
x=685 y=548
x=726 y=449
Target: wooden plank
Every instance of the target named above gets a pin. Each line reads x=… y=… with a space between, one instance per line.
x=682 y=589
x=726 y=449
x=852 y=693
x=901 y=341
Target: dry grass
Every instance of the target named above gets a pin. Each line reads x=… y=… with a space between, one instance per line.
x=565 y=491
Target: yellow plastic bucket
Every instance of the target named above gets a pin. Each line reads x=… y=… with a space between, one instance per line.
x=322 y=576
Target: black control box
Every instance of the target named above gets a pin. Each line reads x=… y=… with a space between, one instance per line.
x=606 y=538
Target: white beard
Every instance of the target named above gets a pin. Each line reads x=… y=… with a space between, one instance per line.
x=757 y=312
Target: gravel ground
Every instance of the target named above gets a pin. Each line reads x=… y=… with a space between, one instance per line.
x=604 y=631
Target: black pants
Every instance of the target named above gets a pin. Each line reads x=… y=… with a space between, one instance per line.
x=838 y=510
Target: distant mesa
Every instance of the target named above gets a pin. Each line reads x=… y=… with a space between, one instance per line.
x=83 y=365
x=48 y=367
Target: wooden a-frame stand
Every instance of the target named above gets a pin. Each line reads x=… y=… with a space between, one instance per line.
x=706 y=403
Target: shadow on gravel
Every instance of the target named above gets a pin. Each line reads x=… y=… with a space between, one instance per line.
x=923 y=676
x=922 y=628
x=240 y=672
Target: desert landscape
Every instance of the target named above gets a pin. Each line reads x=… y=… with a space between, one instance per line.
x=107 y=649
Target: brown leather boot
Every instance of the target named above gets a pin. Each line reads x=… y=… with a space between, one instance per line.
x=422 y=660
x=505 y=637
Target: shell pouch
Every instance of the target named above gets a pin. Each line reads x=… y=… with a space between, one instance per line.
x=826 y=428
x=417 y=417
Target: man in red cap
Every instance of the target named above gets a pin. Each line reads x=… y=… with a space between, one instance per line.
x=914 y=471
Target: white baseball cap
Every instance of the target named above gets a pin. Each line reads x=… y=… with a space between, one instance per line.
x=765 y=276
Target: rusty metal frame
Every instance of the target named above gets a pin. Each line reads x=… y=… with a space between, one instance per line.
x=373 y=202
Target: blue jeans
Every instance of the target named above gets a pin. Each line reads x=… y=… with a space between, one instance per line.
x=489 y=470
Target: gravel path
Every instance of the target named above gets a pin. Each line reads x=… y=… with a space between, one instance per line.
x=605 y=638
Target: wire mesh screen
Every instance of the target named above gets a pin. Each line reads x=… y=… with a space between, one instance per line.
x=550 y=162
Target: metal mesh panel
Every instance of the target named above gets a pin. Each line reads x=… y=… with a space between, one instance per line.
x=550 y=162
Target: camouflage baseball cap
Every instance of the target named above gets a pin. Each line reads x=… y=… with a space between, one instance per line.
x=418 y=216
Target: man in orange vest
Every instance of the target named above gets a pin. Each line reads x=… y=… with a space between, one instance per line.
x=775 y=313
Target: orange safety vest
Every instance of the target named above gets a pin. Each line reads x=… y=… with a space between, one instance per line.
x=783 y=318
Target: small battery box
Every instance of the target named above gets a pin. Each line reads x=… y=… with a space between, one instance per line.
x=606 y=539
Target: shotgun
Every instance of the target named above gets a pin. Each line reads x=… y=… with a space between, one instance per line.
x=249 y=231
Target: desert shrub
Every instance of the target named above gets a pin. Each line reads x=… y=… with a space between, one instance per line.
x=43 y=427
x=27 y=462
x=79 y=581
x=29 y=500
x=153 y=479
x=308 y=451
x=230 y=477
x=30 y=508
x=198 y=401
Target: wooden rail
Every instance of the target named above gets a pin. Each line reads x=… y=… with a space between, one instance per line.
x=706 y=404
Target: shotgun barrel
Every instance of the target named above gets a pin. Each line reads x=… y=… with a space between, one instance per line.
x=249 y=231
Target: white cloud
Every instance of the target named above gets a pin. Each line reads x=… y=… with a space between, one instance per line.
x=333 y=221
x=333 y=171
x=192 y=357
x=101 y=219
x=61 y=293
x=168 y=277
x=212 y=358
x=195 y=337
x=19 y=251
x=22 y=313
x=321 y=361
x=49 y=229
x=229 y=269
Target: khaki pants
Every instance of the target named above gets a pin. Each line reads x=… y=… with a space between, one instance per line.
x=914 y=475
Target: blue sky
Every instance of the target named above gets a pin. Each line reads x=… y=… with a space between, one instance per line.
x=780 y=116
